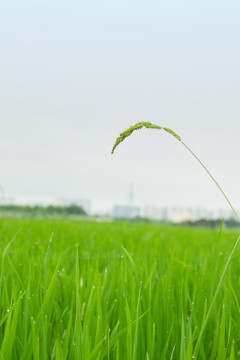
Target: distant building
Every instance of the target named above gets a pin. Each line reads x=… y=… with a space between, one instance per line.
x=155 y=212
x=125 y=212
x=171 y=214
x=5 y=200
x=179 y=214
x=199 y=213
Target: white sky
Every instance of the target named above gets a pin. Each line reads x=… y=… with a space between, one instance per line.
x=74 y=74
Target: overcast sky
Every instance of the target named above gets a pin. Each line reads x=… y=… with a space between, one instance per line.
x=74 y=74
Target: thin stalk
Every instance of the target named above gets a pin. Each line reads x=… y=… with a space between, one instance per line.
x=223 y=193
x=148 y=125
x=229 y=258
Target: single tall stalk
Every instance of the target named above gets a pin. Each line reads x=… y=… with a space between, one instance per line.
x=208 y=172
x=229 y=258
x=149 y=125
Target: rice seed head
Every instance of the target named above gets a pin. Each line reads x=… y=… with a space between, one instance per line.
x=138 y=126
x=172 y=132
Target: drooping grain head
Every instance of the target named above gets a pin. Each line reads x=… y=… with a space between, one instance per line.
x=172 y=133
x=138 y=126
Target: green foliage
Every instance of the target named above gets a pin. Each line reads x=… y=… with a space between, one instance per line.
x=82 y=290
x=41 y=210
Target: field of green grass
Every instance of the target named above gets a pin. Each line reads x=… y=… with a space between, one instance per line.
x=84 y=290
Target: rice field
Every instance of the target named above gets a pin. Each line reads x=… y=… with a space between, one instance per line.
x=84 y=290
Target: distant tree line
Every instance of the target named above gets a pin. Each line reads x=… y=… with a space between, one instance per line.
x=42 y=210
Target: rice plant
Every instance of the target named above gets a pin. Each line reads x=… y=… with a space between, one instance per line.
x=149 y=125
x=86 y=290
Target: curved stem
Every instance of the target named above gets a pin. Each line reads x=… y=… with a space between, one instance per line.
x=229 y=258
x=149 y=125
x=225 y=196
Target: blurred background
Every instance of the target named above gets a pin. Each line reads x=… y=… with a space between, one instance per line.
x=75 y=74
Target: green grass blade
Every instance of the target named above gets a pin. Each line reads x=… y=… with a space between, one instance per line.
x=215 y=295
